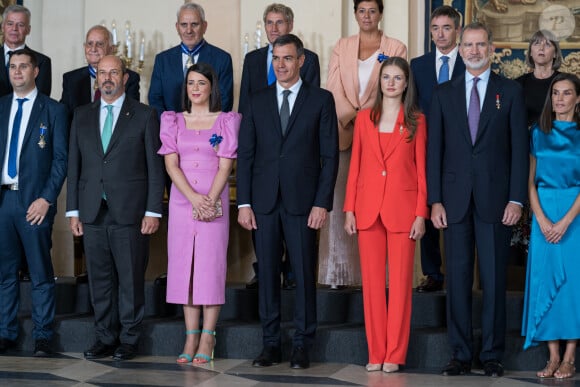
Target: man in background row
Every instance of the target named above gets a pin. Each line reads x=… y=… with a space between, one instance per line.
x=170 y=65
x=79 y=87
x=16 y=27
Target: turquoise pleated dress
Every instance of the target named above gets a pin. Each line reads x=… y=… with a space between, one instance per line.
x=552 y=297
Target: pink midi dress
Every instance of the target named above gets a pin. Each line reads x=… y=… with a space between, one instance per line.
x=197 y=250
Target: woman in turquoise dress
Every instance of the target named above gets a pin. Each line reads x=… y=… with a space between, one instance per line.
x=551 y=311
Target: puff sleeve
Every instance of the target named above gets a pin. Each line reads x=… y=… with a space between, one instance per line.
x=168 y=133
x=229 y=127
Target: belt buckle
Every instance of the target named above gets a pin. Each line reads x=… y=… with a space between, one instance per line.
x=11 y=187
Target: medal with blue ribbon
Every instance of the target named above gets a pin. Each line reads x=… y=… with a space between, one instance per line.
x=42 y=132
x=191 y=53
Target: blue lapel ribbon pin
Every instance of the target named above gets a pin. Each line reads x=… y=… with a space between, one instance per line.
x=42 y=140
x=382 y=57
x=215 y=140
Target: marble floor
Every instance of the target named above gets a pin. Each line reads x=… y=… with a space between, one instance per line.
x=70 y=369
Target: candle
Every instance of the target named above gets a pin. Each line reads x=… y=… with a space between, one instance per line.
x=142 y=50
x=129 y=47
x=246 y=44
x=114 y=33
x=258 y=35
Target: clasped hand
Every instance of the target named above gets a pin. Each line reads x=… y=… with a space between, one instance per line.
x=205 y=207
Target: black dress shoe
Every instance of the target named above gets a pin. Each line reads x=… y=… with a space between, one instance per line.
x=125 y=352
x=288 y=284
x=456 y=367
x=430 y=284
x=270 y=356
x=493 y=368
x=42 y=348
x=299 y=358
x=99 y=350
x=6 y=344
x=253 y=284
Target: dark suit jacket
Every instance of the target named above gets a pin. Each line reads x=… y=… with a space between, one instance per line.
x=76 y=88
x=43 y=80
x=130 y=172
x=495 y=169
x=301 y=166
x=255 y=76
x=42 y=170
x=165 y=91
x=425 y=76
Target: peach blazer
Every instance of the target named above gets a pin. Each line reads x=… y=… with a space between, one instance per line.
x=392 y=185
x=343 y=82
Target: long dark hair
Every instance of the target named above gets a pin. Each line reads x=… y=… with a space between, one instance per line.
x=548 y=115
x=409 y=97
x=215 y=102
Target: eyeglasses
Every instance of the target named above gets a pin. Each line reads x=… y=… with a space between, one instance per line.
x=95 y=44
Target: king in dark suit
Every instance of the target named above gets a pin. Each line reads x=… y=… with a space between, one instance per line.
x=287 y=167
x=33 y=152
x=78 y=86
x=429 y=70
x=477 y=170
x=114 y=197
x=16 y=27
x=169 y=67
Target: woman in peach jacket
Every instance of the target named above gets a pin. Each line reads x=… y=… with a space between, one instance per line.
x=353 y=75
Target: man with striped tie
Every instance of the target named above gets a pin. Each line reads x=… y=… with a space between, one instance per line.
x=428 y=70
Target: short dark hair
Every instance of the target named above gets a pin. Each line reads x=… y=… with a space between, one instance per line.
x=290 y=39
x=538 y=36
x=450 y=12
x=215 y=103
x=379 y=4
x=27 y=52
x=548 y=115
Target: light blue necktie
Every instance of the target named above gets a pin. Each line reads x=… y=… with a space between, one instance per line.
x=13 y=152
x=107 y=128
x=444 y=70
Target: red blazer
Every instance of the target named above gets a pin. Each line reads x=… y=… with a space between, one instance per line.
x=393 y=185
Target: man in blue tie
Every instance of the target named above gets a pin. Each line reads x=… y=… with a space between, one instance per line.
x=170 y=65
x=258 y=73
x=428 y=70
x=33 y=156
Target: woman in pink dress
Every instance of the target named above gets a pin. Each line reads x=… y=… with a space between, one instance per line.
x=200 y=146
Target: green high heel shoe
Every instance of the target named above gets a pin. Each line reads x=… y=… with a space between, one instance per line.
x=185 y=358
x=202 y=358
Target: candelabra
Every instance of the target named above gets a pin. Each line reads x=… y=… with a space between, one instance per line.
x=125 y=50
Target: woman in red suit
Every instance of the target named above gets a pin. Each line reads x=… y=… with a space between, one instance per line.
x=386 y=203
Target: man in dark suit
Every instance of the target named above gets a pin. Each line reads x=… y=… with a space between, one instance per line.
x=429 y=70
x=16 y=27
x=33 y=152
x=114 y=198
x=287 y=167
x=477 y=170
x=258 y=73
x=170 y=65
x=79 y=86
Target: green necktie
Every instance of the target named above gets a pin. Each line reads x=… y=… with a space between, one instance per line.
x=107 y=128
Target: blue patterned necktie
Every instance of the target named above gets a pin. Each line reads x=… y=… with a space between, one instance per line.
x=474 y=111
x=13 y=152
x=107 y=128
x=444 y=70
